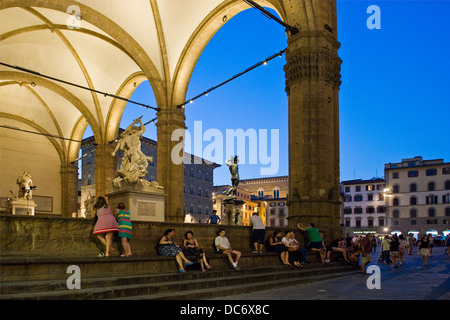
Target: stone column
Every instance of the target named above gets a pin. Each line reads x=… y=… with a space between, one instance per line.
x=105 y=168
x=170 y=172
x=69 y=189
x=312 y=85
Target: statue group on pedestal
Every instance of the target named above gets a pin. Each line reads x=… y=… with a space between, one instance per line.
x=24 y=197
x=232 y=204
x=134 y=162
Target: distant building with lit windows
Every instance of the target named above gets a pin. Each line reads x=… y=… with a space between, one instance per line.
x=271 y=194
x=419 y=196
x=363 y=208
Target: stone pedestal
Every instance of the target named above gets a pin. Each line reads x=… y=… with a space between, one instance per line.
x=23 y=206
x=233 y=208
x=145 y=203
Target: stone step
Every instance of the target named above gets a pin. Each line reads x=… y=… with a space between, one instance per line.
x=171 y=286
x=210 y=293
x=60 y=284
x=50 y=268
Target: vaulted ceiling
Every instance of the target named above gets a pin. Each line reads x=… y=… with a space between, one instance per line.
x=110 y=46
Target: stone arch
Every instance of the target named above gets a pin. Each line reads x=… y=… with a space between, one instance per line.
x=200 y=39
x=77 y=134
x=41 y=130
x=118 y=106
x=110 y=27
x=67 y=95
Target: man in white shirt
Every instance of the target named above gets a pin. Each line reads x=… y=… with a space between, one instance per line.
x=258 y=233
x=223 y=246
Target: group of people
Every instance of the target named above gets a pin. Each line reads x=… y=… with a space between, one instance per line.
x=395 y=247
x=108 y=224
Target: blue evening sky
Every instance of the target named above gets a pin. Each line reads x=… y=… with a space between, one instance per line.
x=394 y=97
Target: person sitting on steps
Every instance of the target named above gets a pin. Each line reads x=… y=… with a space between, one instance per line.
x=223 y=247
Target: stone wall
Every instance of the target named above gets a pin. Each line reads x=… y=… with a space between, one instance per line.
x=59 y=236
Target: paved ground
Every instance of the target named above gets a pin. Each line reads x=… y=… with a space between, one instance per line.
x=412 y=282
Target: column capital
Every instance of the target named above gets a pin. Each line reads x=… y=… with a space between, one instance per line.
x=312 y=64
x=171 y=117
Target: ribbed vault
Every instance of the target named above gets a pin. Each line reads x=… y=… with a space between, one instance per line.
x=111 y=46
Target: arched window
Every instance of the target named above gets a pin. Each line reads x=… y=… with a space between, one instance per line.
x=447 y=185
x=396 y=202
x=413 y=187
x=413 y=200
x=431 y=212
x=396 y=188
x=446 y=198
x=431 y=186
x=413 y=213
x=395 y=214
x=431 y=199
x=260 y=193
x=276 y=193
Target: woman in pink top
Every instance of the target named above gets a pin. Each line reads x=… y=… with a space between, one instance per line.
x=106 y=224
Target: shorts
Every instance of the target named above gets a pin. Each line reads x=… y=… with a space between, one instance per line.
x=258 y=235
x=315 y=245
x=424 y=252
x=394 y=253
x=366 y=259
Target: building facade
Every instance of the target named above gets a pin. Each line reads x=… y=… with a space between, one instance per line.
x=271 y=196
x=267 y=196
x=198 y=189
x=363 y=209
x=419 y=196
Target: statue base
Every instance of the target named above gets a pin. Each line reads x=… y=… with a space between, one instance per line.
x=145 y=203
x=23 y=206
x=233 y=208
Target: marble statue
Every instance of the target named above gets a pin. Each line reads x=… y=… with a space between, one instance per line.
x=233 y=206
x=25 y=186
x=234 y=170
x=134 y=162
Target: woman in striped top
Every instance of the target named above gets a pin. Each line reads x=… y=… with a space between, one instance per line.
x=125 y=228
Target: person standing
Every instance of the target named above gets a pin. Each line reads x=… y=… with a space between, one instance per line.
x=410 y=240
x=424 y=249
x=431 y=240
x=394 y=248
x=447 y=243
x=106 y=224
x=402 y=249
x=125 y=228
x=386 y=247
x=214 y=218
x=258 y=232
x=374 y=243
